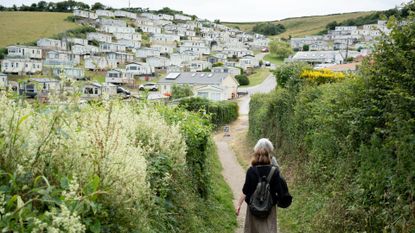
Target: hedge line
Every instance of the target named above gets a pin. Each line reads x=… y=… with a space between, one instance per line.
x=221 y=112
x=348 y=145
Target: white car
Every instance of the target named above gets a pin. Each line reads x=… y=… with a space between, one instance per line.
x=148 y=86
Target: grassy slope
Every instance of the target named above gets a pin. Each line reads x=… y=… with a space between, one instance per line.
x=309 y=25
x=26 y=27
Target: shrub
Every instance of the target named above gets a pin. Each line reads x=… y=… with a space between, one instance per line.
x=269 y=29
x=349 y=144
x=220 y=112
x=289 y=71
x=321 y=76
x=107 y=167
x=243 y=80
x=181 y=91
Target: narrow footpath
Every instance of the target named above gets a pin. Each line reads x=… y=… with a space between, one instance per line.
x=232 y=171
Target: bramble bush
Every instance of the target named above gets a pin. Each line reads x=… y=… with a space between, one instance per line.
x=348 y=144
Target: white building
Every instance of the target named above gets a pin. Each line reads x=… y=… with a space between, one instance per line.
x=150 y=29
x=120 y=58
x=116 y=29
x=158 y=62
x=319 y=57
x=99 y=63
x=58 y=58
x=137 y=69
x=117 y=76
x=69 y=72
x=100 y=37
x=21 y=66
x=127 y=36
x=20 y=51
x=112 y=22
x=132 y=44
x=164 y=39
x=197 y=66
x=125 y=14
x=147 y=52
x=76 y=41
x=85 y=14
x=47 y=43
x=213 y=86
x=85 y=49
x=182 y=17
x=112 y=47
x=248 y=61
x=228 y=70
x=178 y=58
x=199 y=47
x=164 y=48
x=104 y=13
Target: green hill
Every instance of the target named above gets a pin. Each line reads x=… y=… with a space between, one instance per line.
x=26 y=27
x=301 y=26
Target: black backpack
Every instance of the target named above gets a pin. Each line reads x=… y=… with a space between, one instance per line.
x=260 y=203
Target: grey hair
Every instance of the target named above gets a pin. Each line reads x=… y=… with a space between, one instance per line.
x=265 y=144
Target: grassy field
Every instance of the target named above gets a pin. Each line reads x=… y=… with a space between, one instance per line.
x=26 y=27
x=258 y=77
x=302 y=26
x=274 y=60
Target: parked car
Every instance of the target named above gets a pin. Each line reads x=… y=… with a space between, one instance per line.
x=267 y=63
x=148 y=86
x=265 y=50
x=121 y=90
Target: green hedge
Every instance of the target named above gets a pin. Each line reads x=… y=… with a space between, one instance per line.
x=220 y=112
x=349 y=145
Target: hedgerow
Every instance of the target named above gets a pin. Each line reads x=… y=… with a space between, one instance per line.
x=220 y=112
x=107 y=167
x=347 y=144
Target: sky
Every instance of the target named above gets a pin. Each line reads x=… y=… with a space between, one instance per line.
x=245 y=10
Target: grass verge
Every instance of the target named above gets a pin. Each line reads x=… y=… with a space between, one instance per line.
x=258 y=77
x=218 y=210
x=273 y=59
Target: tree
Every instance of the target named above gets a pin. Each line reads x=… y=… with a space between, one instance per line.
x=42 y=6
x=242 y=79
x=181 y=91
x=217 y=21
x=98 y=6
x=269 y=29
x=306 y=47
x=280 y=49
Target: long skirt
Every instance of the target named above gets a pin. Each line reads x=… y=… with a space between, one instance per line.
x=261 y=225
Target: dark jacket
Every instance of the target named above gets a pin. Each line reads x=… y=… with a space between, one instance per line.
x=278 y=186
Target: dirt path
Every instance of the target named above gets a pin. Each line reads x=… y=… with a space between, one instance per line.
x=233 y=172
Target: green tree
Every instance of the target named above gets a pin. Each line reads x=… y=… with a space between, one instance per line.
x=98 y=6
x=280 y=49
x=243 y=80
x=269 y=29
x=181 y=91
x=306 y=47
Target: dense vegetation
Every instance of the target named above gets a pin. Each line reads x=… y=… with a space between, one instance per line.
x=347 y=142
x=63 y=6
x=268 y=29
x=242 y=79
x=219 y=112
x=109 y=167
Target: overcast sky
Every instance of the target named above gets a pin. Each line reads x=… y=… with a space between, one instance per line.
x=246 y=10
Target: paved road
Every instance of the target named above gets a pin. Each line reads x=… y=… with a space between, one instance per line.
x=232 y=171
x=266 y=86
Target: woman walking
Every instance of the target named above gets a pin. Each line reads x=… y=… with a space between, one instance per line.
x=263 y=170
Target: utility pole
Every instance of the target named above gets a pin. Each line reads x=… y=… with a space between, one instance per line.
x=129 y=3
x=347 y=49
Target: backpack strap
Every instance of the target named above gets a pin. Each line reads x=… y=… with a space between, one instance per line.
x=257 y=172
x=271 y=173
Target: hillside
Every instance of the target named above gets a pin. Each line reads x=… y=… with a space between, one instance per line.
x=25 y=27
x=301 y=26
